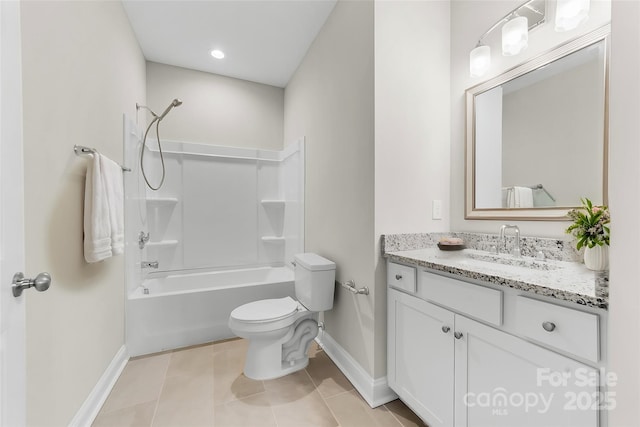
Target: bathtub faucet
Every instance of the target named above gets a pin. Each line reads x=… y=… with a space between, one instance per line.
x=149 y=264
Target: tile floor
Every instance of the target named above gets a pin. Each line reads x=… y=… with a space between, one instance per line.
x=204 y=386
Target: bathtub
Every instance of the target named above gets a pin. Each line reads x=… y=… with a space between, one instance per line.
x=180 y=310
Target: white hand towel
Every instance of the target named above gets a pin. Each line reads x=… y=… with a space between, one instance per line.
x=97 y=225
x=518 y=197
x=114 y=189
x=506 y=192
x=523 y=197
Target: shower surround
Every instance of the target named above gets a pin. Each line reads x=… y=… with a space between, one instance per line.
x=223 y=228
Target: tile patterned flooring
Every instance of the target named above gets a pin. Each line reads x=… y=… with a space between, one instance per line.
x=204 y=386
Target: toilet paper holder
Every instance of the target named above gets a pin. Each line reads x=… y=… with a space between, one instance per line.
x=351 y=287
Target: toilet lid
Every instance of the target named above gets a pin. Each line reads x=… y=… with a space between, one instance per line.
x=265 y=310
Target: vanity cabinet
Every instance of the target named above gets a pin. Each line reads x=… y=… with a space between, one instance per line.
x=421 y=357
x=504 y=381
x=455 y=368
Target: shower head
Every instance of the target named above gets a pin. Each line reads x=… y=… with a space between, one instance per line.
x=175 y=103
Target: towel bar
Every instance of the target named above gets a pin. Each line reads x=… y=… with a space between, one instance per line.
x=541 y=187
x=82 y=150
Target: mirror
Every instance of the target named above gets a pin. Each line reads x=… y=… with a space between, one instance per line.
x=537 y=135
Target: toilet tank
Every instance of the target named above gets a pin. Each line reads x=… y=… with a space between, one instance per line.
x=315 y=278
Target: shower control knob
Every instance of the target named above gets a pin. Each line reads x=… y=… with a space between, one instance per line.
x=143 y=239
x=445 y=329
x=458 y=335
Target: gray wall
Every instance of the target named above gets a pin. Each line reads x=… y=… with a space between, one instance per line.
x=412 y=127
x=372 y=169
x=624 y=180
x=82 y=69
x=329 y=101
x=541 y=146
x=216 y=109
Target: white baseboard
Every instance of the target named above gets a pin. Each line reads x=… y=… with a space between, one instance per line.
x=91 y=406
x=375 y=391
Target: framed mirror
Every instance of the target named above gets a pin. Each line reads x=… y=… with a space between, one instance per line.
x=537 y=135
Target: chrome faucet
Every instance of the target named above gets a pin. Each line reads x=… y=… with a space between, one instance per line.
x=149 y=264
x=516 y=251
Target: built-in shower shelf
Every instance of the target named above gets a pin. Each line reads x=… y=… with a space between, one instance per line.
x=162 y=244
x=275 y=203
x=162 y=201
x=272 y=239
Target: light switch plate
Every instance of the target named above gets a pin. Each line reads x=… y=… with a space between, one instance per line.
x=436 y=209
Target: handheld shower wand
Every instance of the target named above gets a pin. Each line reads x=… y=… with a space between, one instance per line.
x=156 y=119
x=175 y=103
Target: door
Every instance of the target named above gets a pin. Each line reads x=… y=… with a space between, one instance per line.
x=420 y=357
x=504 y=381
x=12 y=310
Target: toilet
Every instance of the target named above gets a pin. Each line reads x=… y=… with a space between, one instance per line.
x=281 y=330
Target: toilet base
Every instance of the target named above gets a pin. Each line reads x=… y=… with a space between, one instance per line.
x=264 y=356
x=285 y=369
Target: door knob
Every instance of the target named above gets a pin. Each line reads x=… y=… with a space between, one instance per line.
x=41 y=283
x=458 y=335
x=446 y=329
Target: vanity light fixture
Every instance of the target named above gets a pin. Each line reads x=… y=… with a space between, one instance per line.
x=515 y=35
x=218 y=54
x=571 y=13
x=479 y=60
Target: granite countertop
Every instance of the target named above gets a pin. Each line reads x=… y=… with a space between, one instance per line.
x=565 y=280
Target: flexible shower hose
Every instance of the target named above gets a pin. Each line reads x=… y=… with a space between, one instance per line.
x=144 y=144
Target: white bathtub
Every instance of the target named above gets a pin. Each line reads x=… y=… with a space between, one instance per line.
x=193 y=308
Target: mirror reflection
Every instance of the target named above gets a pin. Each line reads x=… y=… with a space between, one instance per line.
x=533 y=131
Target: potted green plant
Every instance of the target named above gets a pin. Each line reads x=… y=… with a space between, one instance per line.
x=591 y=230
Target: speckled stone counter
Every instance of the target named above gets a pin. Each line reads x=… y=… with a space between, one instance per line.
x=557 y=276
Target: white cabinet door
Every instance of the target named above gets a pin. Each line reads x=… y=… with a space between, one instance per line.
x=420 y=357
x=504 y=381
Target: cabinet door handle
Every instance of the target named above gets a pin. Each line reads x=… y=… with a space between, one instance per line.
x=445 y=329
x=548 y=326
x=398 y=276
x=458 y=335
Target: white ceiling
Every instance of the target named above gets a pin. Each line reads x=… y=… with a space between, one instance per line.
x=264 y=41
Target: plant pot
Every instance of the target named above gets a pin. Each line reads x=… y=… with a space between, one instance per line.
x=597 y=258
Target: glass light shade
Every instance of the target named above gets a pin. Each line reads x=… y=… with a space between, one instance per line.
x=571 y=13
x=479 y=61
x=515 y=36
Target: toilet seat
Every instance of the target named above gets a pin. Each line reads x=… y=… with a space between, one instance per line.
x=266 y=310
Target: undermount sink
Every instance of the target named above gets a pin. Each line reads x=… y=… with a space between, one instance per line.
x=531 y=263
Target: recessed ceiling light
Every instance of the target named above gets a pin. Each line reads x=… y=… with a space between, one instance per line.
x=218 y=54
